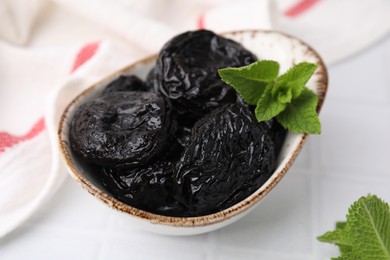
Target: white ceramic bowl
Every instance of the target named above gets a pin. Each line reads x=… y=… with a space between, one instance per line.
x=283 y=48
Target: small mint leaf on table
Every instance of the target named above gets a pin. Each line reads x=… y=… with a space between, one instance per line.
x=338 y=237
x=366 y=233
x=250 y=81
x=341 y=224
x=300 y=115
x=369 y=221
x=348 y=256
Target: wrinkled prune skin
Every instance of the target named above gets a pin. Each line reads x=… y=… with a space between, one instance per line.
x=278 y=134
x=148 y=188
x=126 y=83
x=123 y=129
x=228 y=157
x=183 y=135
x=186 y=71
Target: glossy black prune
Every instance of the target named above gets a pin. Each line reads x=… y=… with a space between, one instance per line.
x=228 y=157
x=122 y=128
x=148 y=188
x=126 y=83
x=278 y=134
x=186 y=71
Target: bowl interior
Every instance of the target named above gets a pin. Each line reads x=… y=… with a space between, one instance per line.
x=285 y=49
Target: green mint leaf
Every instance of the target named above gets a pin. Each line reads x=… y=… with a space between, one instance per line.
x=268 y=105
x=366 y=233
x=339 y=237
x=250 y=81
x=369 y=221
x=349 y=256
x=300 y=115
x=284 y=95
x=296 y=78
x=341 y=224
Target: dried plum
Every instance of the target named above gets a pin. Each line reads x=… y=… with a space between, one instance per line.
x=228 y=157
x=186 y=71
x=278 y=134
x=126 y=83
x=122 y=128
x=149 y=188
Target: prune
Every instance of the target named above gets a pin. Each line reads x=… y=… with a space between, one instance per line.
x=126 y=83
x=228 y=157
x=149 y=188
x=186 y=71
x=123 y=128
x=278 y=134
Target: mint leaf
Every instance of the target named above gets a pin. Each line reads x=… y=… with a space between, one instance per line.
x=369 y=221
x=348 y=256
x=296 y=78
x=284 y=94
x=338 y=237
x=341 y=224
x=268 y=105
x=366 y=233
x=344 y=244
x=250 y=81
x=300 y=115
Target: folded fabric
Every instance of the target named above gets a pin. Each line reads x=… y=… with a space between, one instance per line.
x=30 y=167
x=18 y=18
x=336 y=29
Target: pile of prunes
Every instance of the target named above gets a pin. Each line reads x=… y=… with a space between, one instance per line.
x=182 y=143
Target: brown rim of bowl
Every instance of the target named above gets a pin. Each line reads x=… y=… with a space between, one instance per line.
x=199 y=221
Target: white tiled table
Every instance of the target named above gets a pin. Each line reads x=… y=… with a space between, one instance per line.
x=348 y=160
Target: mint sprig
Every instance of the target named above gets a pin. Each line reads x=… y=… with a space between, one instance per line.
x=284 y=97
x=366 y=233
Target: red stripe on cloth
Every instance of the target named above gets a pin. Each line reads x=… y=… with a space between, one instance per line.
x=8 y=140
x=301 y=7
x=85 y=54
x=200 y=24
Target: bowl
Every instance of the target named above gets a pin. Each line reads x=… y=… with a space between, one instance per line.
x=285 y=49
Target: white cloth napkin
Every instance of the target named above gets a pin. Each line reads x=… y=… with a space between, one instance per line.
x=45 y=64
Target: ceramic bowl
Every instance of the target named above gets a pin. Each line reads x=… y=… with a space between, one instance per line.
x=283 y=48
